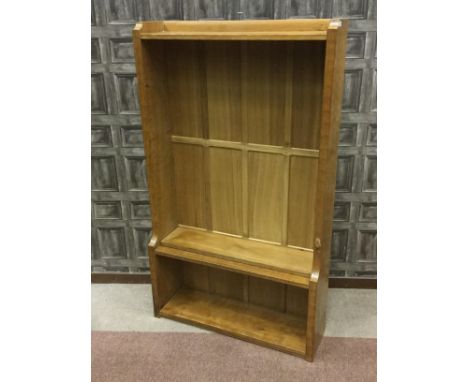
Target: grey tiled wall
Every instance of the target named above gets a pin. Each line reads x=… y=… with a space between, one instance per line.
x=120 y=211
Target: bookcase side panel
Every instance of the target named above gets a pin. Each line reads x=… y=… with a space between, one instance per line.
x=331 y=111
x=327 y=165
x=150 y=66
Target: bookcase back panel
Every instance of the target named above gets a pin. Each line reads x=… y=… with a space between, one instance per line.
x=225 y=181
x=186 y=88
x=302 y=190
x=238 y=148
x=267 y=293
x=296 y=300
x=227 y=284
x=265 y=92
x=258 y=92
x=307 y=85
x=266 y=179
x=195 y=276
x=190 y=185
x=223 y=67
x=257 y=291
x=259 y=195
x=236 y=110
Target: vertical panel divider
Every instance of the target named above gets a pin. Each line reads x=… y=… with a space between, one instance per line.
x=245 y=139
x=287 y=138
x=245 y=193
x=288 y=96
x=206 y=170
x=284 y=227
x=245 y=158
x=202 y=54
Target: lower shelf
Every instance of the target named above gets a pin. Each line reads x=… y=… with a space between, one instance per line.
x=279 y=263
x=239 y=319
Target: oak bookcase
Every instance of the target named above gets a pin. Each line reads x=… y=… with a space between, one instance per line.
x=240 y=122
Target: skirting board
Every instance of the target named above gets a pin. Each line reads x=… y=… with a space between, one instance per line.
x=144 y=278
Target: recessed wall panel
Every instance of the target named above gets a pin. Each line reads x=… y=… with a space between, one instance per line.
x=186 y=87
x=224 y=90
x=302 y=191
x=226 y=190
x=265 y=195
x=264 y=91
x=307 y=81
x=190 y=184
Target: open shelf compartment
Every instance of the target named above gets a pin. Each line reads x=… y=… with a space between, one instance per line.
x=240 y=123
x=289 y=265
x=240 y=305
x=238 y=319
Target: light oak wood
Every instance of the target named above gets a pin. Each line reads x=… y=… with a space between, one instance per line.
x=302 y=190
x=244 y=26
x=235 y=266
x=265 y=196
x=226 y=190
x=168 y=281
x=226 y=284
x=223 y=91
x=240 y=123
x=329 y=130
x=266 y=326
x=196 y=276
x=187 y=88
x=264 y=91
x=247 y=146
x=158 y=148
x=296 y=300
x=289 y=260
x=153 y=271
x=267 y=294
x=313 y=29
x=307 y=84
x=311 y=36
x=190 y=187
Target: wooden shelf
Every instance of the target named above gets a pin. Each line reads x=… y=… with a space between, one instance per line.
x=239 y=319
x=240 y=121
x=239 y=36
x=307 y=29
x=284 y=261
x=234 y=266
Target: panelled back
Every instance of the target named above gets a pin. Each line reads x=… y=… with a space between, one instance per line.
x=245 y=121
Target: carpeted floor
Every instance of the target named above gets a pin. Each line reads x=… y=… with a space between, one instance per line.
x=169 y=357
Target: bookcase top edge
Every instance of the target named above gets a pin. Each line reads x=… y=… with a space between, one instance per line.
x=300 y=29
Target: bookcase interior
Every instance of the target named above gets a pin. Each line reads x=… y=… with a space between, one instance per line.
x=268 y=312
x=242 y=123
x=233 y=133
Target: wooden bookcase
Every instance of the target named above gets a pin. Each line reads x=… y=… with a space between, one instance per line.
x=240 y=122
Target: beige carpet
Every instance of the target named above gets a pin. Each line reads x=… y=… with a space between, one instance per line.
x=168 y=357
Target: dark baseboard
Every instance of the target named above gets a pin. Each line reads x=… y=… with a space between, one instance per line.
x=144 y=278
x=352 y=283
x=120 y=278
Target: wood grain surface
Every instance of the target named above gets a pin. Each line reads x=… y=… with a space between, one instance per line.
x=265 y=326
x=247 y=144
